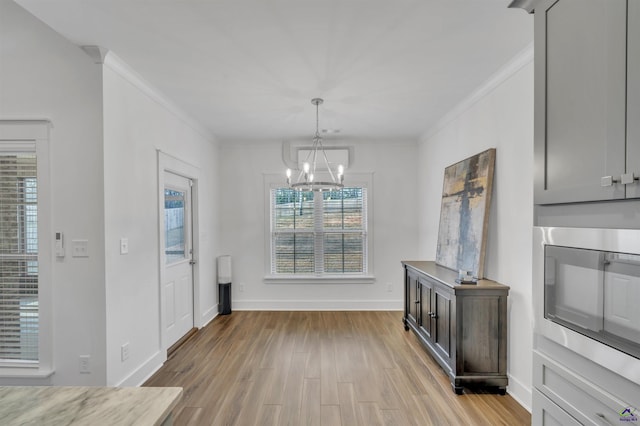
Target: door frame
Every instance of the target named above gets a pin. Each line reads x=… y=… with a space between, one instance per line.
x=171 y=164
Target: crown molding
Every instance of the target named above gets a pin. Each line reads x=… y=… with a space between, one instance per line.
x=117 y=65
x=528 y=5
x=522 y=59
x=97 y=53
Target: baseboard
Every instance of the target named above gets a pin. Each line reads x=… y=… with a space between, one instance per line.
x=521 y=393
x=317 y=305
x=144 y=371
x=209 y=315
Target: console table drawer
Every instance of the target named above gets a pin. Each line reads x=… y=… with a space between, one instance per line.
x=577 y=396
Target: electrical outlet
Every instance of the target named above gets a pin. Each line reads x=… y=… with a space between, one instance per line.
x=85 y=364
x=241 y=286
x=124 y=352
x=124 y=245
x=389 y=287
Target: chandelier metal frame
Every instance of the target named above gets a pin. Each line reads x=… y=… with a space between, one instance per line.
x=305 y=180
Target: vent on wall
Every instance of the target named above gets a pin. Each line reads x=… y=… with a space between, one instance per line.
x=335 y=156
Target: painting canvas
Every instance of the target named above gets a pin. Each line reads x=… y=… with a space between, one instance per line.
x=464 y=213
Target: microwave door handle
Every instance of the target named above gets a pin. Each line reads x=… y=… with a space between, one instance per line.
x=549 y=270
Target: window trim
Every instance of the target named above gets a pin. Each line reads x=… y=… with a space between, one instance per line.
x=273 y=181
x=35 y=134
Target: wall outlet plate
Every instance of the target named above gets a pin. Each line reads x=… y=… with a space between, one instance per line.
x=124 y=352
x=85 y=364
x=124 y=245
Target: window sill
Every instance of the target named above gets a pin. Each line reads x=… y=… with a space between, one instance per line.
x=24 y=373
x=319 y=279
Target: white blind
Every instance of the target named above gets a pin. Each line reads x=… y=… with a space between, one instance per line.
x=319 y=233
x=344 y=227
x=18 y=255
x=292 y=231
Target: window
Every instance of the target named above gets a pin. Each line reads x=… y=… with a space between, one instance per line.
x=319 y=233
x=26 y=251
x=18 y=258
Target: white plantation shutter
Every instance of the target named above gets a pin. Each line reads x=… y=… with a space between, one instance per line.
x=19 y=272
x=292 y=226
x=321 y=233
x=344 y=225
x=318 y=243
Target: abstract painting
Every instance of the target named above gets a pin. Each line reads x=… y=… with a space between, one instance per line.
x=464 y=213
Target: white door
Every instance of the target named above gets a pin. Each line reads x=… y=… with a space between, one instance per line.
x=177 y=283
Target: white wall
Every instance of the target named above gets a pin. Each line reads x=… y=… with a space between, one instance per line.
x=499 y=115
x=138 y=121
x=105 y=186
x=393 y=228
x=42 y=75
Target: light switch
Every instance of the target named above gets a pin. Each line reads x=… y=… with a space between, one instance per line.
x=124 y=245
x=80 y=248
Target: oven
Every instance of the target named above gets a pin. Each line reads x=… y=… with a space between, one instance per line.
x=586 y=294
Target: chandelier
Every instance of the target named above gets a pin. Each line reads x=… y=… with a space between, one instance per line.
x=306 y=180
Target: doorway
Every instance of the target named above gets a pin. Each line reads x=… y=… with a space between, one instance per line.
x=177 y=258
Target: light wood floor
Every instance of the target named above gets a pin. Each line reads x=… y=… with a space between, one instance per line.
x=320 y=368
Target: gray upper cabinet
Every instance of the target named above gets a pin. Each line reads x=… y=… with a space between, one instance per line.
x=633 y=97
x=584 y=101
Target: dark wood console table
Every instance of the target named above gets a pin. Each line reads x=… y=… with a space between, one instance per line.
x=463 y=326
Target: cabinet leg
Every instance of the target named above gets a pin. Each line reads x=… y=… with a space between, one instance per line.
x=406 y=326
x=502 y=391
x=458 y=389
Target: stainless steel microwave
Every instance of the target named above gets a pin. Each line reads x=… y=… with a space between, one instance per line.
x=586 y=293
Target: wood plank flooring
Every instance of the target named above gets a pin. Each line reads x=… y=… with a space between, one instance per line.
x=320 y=368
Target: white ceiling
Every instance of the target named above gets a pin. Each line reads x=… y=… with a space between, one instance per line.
x=248 y=69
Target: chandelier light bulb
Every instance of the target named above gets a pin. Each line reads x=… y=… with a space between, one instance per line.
x=306 y=167
x=288 y=173
x=340 y=170
x=311 y=177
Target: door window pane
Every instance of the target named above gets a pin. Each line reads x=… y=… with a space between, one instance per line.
x=174 y=238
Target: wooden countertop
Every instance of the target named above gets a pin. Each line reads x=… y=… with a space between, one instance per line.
x=52 y=405
x=447 y=276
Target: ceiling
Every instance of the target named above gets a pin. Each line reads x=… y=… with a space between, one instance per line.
x=248 y=69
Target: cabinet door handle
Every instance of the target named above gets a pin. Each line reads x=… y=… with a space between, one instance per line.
x=603 y=418
x=432 y=314
x=608 y=181
x=417 y=302
x=628 y=178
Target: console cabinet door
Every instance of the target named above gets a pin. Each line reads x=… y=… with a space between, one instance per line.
x=441 y=305
x=426 y=292
x=413 y=297
x=580 y=99
x=633 y=98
